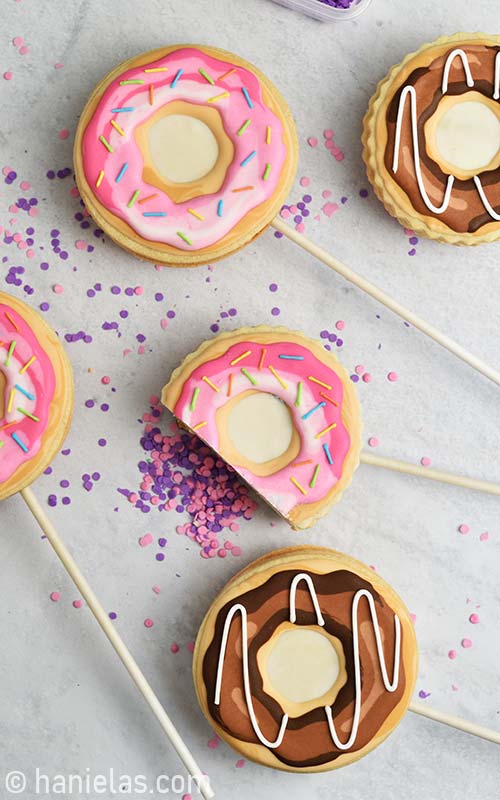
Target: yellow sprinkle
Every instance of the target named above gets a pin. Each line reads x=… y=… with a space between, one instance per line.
x=212 y=385
x=99 y=179
x=268 y=135
x=151 y=94
x=27 y=365
x=325 y=430
x=229 y=384
x=156 y=69
x=117 y=128
x=240 y=358
x=315 y=380
x=297 y=484
x=195 y=213
x=280 y=380
x=218 y=97
x=11 y=400
x=262 y=357
x=312 y=482
x=200 y=425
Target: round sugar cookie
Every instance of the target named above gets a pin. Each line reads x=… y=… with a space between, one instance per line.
x=185 y=154
x=431 y=139
x=279 y=409
x=36 y=395
x=306 y=660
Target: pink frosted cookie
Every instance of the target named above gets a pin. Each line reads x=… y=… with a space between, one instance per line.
x=36 y=395
x=279 y=409
x=185 y=154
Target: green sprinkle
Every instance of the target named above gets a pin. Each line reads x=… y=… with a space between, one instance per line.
x=27 y=414
x=246 y=373
x=106 y=143
x=206 y=76
x=133 y=198
x=314 y=478
x=130 y=83
x=298 y=399
x=266 y=172
x=2 y=444
x=184 y=238
x=9 y=354
x=194 y=398
x=244 y=127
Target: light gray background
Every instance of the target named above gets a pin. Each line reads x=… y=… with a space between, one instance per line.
x=65 y=703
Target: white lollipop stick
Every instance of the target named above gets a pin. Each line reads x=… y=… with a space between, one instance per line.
x=387 y=301
x=201 y=781
x=456 y=722
x=430 y=474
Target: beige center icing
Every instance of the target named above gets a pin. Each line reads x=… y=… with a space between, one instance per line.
x=302 y=665
x=468 y=135
x=260 y=427
x=183 y=148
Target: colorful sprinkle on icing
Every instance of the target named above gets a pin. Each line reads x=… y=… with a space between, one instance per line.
x=243 y=128
x=328 y=454
x=136 y=81
x=249 y=377
x=106 y=144
x=122 y=172
x=247 y=96
x=99 y=178
x=205 y=75
x=154 y=213
x=195 y=214
x=133 y=198
x=27 y=365
x=25 y=392
x=117 y=127
x=298 y=485
x=326 y=430
x=240 y=357
x=10 y=352
x=265 y=174
x=184 y=237
x=320 y=383
x=291 y=358
x=218 y=97
x=313 y=410
x=210 y=383
x=194 y=398
x=156 y=69
x=176 y=78
x=312 y=482
x=330 y=399
x=220 y=207
x=278 y=378
x=248 y=158
x=19 y=441
x=122 y=110
x=262 y=357
x=298 y=398
x=200 y=425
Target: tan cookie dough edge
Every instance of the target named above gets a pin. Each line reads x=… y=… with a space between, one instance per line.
x=303 y=515
x=252 y=225
x=374 y=140
x=61 y=408
x=319 y=560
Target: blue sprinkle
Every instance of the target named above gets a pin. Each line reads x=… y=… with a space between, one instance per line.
x=292 y=358
x=220 y=206
x=23 y=391
x=119 y=110
x=154 y=214
x=19 y=442
x=248 y=158
x=312 y=410
x=178 y=75
x=122 y=172
x=247 y=97
x=328 y=454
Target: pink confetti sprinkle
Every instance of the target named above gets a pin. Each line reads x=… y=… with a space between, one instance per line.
x=57 y=288
x=187 y=797
x=80 y=244
x=359 y=368
x=454 y=687
x=240 y=763
x=340 y=324
x=328 y=134
x=148 y=623
x=463 y=529
x=146 y=540
x=326 y=193
x=139 y=290
x=55 y=596
x=156 y=589
x=305 y=181
x=58 y=65
x=236 y=550
x=77 y=603
x=105 y=379
x=24 y=50
x=392 y=376
x=63 y=133
x=300 y=227
x=466 y=643
x=329 y=209
x=312 y=141
x=367 y=377
x=452 y=654
x=425 y=461
x=18 y=41
x=373 y=441
x=474 y=619
x=174 y=647
x=25 y=185
x=164 y=323
x=484 y=537
x=8 y=76
x=6 y=170
x=413 y=618
x=190 y=647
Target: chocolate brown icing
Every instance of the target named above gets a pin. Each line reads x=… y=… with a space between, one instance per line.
x=307 y=741
x=466 y=212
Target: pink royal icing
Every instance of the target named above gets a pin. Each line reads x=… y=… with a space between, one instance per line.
x=28 y=392
x=328 y=450
x=259 y=152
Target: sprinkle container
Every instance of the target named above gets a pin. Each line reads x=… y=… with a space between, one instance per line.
x=325 y=12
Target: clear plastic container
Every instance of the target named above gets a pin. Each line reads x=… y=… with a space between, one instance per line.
x=321 y=11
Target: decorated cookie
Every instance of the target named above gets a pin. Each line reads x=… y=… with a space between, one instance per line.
x=306 y=661
x=36 y=395
x=432 y=139
x=279 y=409
x=184 y=154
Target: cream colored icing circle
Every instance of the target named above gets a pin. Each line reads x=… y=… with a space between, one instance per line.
x=302 y=665
x=467 y=135
x=183 y=148
x=260 y=427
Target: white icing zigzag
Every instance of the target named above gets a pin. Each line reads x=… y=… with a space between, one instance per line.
x=390 y=686
x=409 y=90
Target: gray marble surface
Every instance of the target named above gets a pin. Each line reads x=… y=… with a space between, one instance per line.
x=66 y=705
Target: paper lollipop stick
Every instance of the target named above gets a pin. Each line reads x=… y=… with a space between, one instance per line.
x=393 y=305
x=128 y=661
x=456 y=722
x=36 y=404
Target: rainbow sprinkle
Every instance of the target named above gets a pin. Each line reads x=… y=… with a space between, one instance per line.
x=278 y=378
x=240 y=358
x=24 y=391
x=20 y=442
x=206 y=76
x=243 y=127
x=218 y=97
x=184 y=238
x=195 y=214
x=151 y=94
x=297 y=484
x=121 y=110
x=243 y=189
x=320 y=383
x=133 y=198
x=27 y=414
x=99 y=179
x=154 y=213
x=312 y=410
x=226 y=74
x=229 y=384
x=27 y=365
x=12 y=322
x=248 y=158
x=266 y=172
x=122 y=172
x=292 y=358
x=298 y=399
x=268 y=135
x=220 y=207
x=328 y=454
x=106 y=144
x=156 y=69
x=176 y=78
x=302 y=463
x=10 y=352
x=326 y=430
x=200 y=425
x=247 y=97
x=149 y=197
x=312 y=482
x=136 y=81
x=194 y=398
x=117 y=127
x=250 y=377
x=212 y=385
x=262 y=357
x=330 y=399
x=11 y=401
